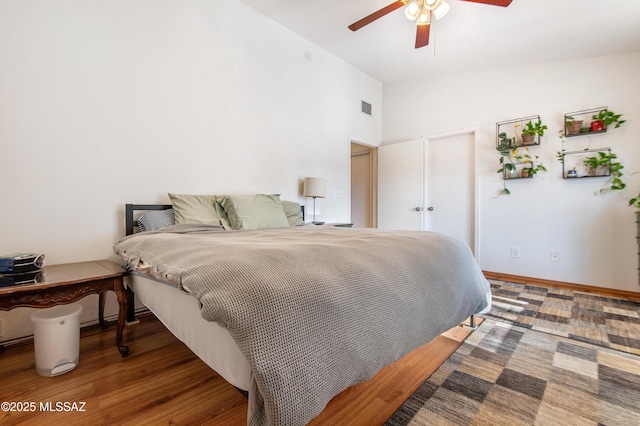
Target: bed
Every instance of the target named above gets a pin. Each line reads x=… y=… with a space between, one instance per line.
x=294 y=313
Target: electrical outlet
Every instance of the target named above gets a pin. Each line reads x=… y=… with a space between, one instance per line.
x=555 y=257
x=515 y=252
x=1 y=328
x=337 y=193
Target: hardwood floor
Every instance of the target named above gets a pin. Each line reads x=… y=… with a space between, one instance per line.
x=163 y=382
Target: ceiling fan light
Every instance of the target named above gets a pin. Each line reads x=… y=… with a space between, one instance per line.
x=425 y=17
x=441 y=9
x=431 y=4
x=412 y=10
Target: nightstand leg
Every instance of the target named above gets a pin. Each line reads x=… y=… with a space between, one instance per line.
x=101 y=302
x=121 y=294
x=131 y=311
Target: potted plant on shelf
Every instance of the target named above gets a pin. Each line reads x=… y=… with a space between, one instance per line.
x=532 y=164
x=604 y=119
x=604 y=165
x=598 y=165
x=531 y=130
x=510 y=156
x=572 y=126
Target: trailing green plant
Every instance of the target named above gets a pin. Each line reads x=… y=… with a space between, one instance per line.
x=534 y=129
x=533 y=164
x=607 y=160
x=505 y=148
x=609 y=118
x=594 y=162
x=506 y=145
x=509 y=157
x=635 y=201
x=560 y=154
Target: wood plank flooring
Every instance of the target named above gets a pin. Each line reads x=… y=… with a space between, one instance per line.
x=163 y=382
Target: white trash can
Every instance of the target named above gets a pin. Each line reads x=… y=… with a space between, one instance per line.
x=56 y=338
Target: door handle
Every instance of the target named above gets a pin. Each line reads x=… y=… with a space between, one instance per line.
x=430 y=209
x=418 y=209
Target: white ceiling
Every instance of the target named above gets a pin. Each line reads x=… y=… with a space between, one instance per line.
x=471 y=36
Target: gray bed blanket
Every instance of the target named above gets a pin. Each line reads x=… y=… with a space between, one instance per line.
x=315 y=309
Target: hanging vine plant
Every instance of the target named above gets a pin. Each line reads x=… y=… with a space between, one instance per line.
x=512 y=155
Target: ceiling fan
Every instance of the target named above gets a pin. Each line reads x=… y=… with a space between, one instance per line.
x=419 y=11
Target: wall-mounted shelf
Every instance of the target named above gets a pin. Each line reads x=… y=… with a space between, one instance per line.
x=512 y=129
x=518 y=173
x=574 y=161
x=578 y=123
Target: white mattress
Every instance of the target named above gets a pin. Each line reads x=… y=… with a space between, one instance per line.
x=180 y=313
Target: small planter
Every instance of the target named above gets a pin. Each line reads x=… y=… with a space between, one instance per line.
x=511 y=174
x=598 y=126
x=528 y=139
x=574 y=127
x=598 y=171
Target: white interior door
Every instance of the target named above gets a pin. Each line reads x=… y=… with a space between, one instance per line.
x=429 y=185
x=401 y=186
x=450 y=186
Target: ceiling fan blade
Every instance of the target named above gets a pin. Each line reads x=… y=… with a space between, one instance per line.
x=377 y=15
x=503 y=3
x=422 y=35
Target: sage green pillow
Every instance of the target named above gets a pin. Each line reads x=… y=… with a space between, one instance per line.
x=257 y=211
x=293 y=212
x=195 y=209
x=222 y=214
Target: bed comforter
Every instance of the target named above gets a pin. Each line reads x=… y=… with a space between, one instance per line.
x=315 y=309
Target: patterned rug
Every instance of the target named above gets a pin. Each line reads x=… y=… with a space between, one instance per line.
x=604 y=321
x=508 y=375
x=542 y=356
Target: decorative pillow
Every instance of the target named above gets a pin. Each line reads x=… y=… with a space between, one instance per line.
x=222 y=214
x=155 y=219
x=259 y=211
x=195 y=209
x=293 y=212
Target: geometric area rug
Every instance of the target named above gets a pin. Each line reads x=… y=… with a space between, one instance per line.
x=541 y=357
x=504 y=374
x=605 y=321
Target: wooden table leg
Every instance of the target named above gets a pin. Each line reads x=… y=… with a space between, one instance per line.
x=101 y=302
x=121 y=294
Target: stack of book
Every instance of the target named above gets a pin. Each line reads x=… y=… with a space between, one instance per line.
x=21 y=268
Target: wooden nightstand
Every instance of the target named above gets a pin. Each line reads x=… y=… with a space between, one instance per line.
x=68 y=283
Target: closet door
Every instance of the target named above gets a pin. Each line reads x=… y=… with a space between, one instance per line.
x=450 y=177
x=430 y=185
x=401 y=186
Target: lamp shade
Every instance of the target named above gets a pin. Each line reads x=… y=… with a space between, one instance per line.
x=315 y=187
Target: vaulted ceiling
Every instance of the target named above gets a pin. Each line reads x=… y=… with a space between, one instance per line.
x=471 y=36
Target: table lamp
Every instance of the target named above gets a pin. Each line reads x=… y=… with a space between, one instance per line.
x=316 y=188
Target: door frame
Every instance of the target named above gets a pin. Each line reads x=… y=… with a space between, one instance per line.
x=473 y=131
x=373 y=180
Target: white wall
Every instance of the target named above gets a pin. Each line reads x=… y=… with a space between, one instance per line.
x=594 y=235
x=104 y=103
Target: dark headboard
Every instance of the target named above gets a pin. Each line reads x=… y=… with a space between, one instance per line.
x=129 y=209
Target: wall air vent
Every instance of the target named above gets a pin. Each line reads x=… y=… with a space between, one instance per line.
x=366 y=108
